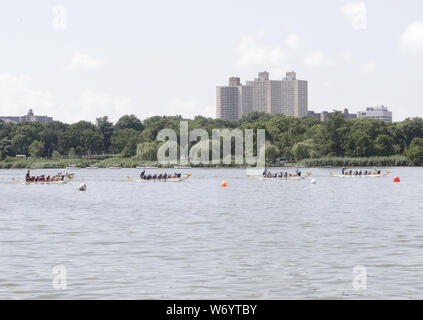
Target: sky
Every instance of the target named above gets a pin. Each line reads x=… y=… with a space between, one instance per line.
x=79 y=60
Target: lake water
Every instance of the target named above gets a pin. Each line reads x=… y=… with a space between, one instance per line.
x=197 y=240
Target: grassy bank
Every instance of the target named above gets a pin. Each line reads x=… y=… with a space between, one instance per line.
x=12 y=163
x=43 y=163
x=392 y=161
x=124 y=162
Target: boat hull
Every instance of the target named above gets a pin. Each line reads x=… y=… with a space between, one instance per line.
x=42 y=182
x=161 y=180
x=347 y=176
x=281 y=178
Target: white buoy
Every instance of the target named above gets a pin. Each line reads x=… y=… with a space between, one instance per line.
x=313 y=181
x=82 y=187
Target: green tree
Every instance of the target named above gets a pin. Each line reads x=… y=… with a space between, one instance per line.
x=255 y=116
x=303 y=150
x=55 y=154
x=272 y=152
x=106 y=128
x=6 y=148
x=415 y=151
x=384 y=145
x=130 y=148
x=147 y=151
x=147 y=135
x=410 y=129
x=358 y=144
x=85 y=138
x=36 y=149
x=335 y=130
x=121 y=138
x=129 y=122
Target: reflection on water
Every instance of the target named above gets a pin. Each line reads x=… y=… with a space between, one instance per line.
x=197 y=240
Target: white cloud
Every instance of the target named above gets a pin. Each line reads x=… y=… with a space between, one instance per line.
x=95 y=104
x=253 y=52
x=412 y=38
x=190 y=109
x=368 y=67
x=356 y=13
x=292 y=41
x=346 y=57
x=84 y=61
x=17 y=95
x=318 y=59
x=90 y=105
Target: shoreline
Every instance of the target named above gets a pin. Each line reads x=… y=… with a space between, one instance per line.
x=37 y=164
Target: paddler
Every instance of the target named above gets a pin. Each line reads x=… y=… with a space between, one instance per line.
x=298 y=172
x=28 y=176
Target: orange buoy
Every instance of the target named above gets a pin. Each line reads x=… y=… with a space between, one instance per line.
x=396 y=179
x=224 y=184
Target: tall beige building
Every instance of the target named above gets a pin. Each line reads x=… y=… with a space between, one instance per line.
x=294 y=96
x=288 y=96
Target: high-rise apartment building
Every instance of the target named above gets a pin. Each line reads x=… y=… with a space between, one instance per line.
x=227 y=103
x=288 y=96
x=294 y=96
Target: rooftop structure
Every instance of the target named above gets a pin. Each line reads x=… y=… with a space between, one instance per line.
x=28 y=117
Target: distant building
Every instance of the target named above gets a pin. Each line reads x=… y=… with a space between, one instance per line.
x=348 y=115
x=28 y=117
x=288 y=96
x=380 y=112
x=227 y=103
x=314 y=114
x=324 y=115
x=294 y=96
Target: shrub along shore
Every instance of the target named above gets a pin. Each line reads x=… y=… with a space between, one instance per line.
x=392 y=161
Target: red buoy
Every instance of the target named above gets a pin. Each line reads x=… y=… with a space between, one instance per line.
x=396 y=179
x=224 y=184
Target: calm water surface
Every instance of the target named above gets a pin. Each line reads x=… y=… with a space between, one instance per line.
x=197 y=240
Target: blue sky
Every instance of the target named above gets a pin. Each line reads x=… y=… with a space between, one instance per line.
x=84 y=59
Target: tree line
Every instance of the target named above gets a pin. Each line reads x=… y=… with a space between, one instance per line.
x=286 y=137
